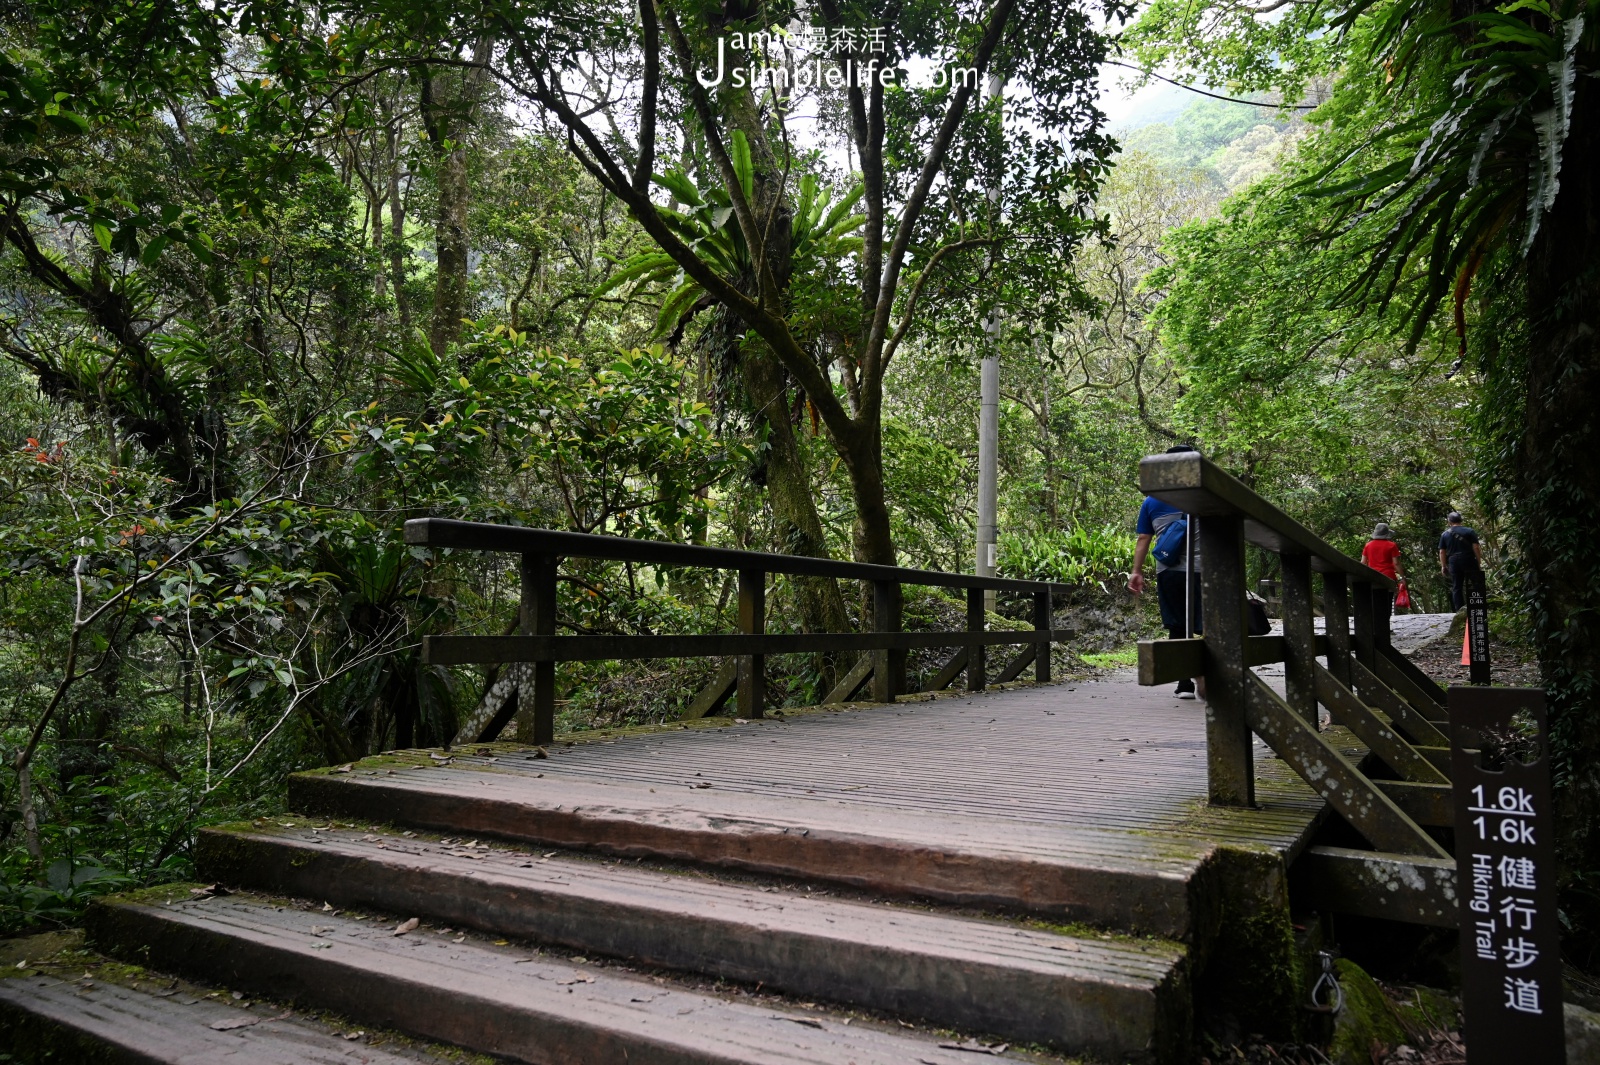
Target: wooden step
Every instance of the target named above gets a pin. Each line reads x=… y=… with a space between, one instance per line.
x=489 y=998
x=1135 y=882
x=43 y=1019
x=1111 y=998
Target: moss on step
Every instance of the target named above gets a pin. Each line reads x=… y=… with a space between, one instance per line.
x=1249 y=969
x=1368 y=1017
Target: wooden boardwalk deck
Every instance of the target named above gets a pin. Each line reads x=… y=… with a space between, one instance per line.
x=1104 y=755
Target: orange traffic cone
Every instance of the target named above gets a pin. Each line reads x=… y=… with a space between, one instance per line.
x=1466 y=647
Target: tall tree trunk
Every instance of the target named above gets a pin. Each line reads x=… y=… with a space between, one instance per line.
x=1556 y=498
x=450 y=106
x=788 y=481
x=397 y=248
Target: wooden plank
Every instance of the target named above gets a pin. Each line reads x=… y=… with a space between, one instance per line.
x=950 y=671
x=1396 y=887
x=1330 y=774
x=1422 y=732
x=1196 y=485
x=1169 y=661
x=1336 y=626
x=1429 y=686
x=1018 y=664
x=475 y=650
x=484 y=536
x=752 y=622
x=1230 y=749
x=1043 y=617
x=896 y=958
x=536 y=708
x=43 y=1019
x=1407 y=687
x=977 y=660
x=1299 y=637
x=490 y=999
x=1428 y=805
x=1370 y=729
x=852 y=681
x=1363 y=622
x=713 y=695
x=889 y=661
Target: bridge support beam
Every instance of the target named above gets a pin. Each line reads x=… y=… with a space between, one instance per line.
x=1300 y=636
x=1230 y=768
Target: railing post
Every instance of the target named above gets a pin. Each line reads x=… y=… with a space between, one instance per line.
x=977 y=653
x=889 y=666
x=1361 y=615
x=1230 y=769
x=1336 y=612
x=536 y=710
x=1300 y=635
x=1042 y=617
x=752 y=620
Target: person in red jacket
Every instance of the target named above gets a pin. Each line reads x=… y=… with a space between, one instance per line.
x=1383 y=555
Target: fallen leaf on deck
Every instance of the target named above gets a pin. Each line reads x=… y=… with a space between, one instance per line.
x=975 y=1047
x=807 y=1021
x=407 y=926
x=231 y=1023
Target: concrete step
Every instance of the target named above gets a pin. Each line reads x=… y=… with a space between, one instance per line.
x=43 y=1019
x=492 y=998
x=1130 y=881
x=1115 y=999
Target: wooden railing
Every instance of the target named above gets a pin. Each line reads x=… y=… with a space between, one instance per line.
x=1369 y=688
x=883 y=664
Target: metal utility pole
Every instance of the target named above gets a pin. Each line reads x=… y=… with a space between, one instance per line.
x=989 y=416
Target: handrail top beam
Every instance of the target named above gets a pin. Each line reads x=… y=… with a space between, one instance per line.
x=485 y=536
x=1196 y=485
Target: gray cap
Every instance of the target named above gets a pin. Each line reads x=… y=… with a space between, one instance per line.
x=1381 y=531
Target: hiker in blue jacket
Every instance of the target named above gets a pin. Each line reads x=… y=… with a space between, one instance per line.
x=1167 y=528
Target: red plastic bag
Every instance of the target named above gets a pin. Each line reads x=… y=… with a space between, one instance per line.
x=1402 y=599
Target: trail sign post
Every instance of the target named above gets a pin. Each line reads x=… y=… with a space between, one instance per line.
x=1478 y=631
x=1505 y=876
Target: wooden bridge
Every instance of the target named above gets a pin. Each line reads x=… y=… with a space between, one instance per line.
x=1076 y=868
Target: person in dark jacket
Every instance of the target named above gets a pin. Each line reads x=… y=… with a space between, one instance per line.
x=1460 y=559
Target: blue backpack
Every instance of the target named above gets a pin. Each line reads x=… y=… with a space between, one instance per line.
x=1171 y=540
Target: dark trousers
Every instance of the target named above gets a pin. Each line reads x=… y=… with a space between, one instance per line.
x=1171 y=586
x=1465 y=574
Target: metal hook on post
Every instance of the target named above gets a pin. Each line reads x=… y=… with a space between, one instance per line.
x=1327 y=984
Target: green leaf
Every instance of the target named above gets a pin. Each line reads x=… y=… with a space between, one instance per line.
x=678 y=183
x=152 y=251
x=102 y=233
x=69 y=122
x=743 y=169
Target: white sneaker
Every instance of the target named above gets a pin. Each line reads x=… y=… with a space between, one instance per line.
x=1186 y=695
